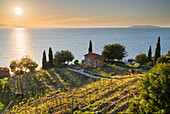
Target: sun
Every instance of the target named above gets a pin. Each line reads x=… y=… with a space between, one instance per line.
x=18 y=11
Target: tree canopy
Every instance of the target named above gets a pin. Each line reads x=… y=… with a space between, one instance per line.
x=158 y=50
x=150 y=54
x=1 y=106
x=131 y=61
x=114 y=51
x=154 y=92
x=141 y=59
x=90 y=47
x=163 y=59
x=51 y=65
x=44 y=61
x=63 y=56
x=24 y=65
x=76 y=62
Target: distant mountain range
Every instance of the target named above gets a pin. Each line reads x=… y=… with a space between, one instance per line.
x=144 y=26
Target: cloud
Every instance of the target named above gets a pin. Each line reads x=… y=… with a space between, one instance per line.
x=73 y=20
x=117 y=20
x=11 y=26
x=63 y=19
x=58 y=20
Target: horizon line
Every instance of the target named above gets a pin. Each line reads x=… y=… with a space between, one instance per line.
x=85 y=27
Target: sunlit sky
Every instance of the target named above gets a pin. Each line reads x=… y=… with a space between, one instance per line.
x=84 y=13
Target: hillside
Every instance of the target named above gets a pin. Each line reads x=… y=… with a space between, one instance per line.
x=62 y=91
x=102 y=96
x=24 y=87
x=144 y=26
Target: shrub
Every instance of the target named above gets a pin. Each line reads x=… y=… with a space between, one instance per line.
x=150 y=63
x=76 y=62
x=1 y=106
x=131 y=61
x=154 y=93
x=163 y=59
x=112 y=74
x=141 y=59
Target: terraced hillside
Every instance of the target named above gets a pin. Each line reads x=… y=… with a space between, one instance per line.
x=101 y=96
x=26 y=88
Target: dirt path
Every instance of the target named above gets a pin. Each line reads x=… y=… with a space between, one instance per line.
x=81 y=71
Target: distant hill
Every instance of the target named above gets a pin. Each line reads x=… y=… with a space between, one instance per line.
x=144 y=26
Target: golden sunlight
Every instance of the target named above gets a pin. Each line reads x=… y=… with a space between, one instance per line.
x=19 y=42
x=18 y=11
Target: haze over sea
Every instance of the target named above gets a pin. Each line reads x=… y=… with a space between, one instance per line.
x=18 y=42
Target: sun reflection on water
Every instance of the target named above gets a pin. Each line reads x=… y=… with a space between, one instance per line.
x=19 y=44
x=21 y=38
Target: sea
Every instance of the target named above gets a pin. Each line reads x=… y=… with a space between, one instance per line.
x=18 y=42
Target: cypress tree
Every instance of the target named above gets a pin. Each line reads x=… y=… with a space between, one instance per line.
x=44 y=61
x=150 y=54
x=90 y=47
x=51 y=65
x=158 y=50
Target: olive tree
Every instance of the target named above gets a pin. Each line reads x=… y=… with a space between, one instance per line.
x=63 y=57
x=24 y=65
x=114 y=51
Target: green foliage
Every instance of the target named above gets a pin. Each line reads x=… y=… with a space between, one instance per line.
x=63 y=56
x=26 y=64
x=131 y=61
x=84 y=99
x=114 y=51
x=76 y=62
x=13 y=66
x=163 y=59
x=154 y=93
x=150 y=63
x=51 y=65
x=44 y=61
x=141 y=59
x=1 y=106
x=158 y=50
x=135 y=106
x=109 y=70
x=150 y=54
x=90 y=47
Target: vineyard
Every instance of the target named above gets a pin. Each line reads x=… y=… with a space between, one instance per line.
x=62 y=91
x=98 y=97
x=27 y=87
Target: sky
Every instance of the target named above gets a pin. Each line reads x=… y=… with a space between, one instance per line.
x=84 y=13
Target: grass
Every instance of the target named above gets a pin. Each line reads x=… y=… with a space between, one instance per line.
x=115 y=71
x=133 y=66
x=110 y=70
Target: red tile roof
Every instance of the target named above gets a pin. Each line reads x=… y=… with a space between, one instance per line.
x=4 y=72
x=94 y=56
x=4 y=69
